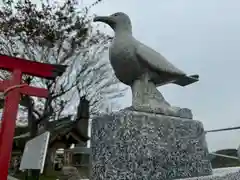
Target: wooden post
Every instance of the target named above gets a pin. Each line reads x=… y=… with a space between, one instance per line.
x=8 y=124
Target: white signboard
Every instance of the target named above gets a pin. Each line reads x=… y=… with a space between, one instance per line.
x=35 y=152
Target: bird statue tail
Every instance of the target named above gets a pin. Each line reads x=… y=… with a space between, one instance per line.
x=186 y=80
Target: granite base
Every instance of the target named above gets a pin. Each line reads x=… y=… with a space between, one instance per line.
x=232 y=173
x=135 y=145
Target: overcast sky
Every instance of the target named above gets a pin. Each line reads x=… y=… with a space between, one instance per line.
x=202 y=37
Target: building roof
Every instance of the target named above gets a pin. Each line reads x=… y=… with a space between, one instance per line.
x=81 y=150
x=54 y=127
x=57 y=129
x=63 y=129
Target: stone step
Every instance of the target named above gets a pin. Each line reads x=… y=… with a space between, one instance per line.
x=12 y=178
x=231 y=173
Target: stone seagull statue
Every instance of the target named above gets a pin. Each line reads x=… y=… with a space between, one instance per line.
x=143 y=69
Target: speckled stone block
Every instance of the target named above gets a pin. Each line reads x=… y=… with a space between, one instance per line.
x=232 y=173
x=130 y=145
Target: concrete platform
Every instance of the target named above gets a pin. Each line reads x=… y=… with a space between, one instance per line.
x=12 y=178
x=231 y=173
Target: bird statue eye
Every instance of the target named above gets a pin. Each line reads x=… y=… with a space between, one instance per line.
x=117 y=14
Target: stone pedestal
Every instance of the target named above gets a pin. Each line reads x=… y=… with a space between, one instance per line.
x=133 y=145
x=231 y=173
x=69 y=173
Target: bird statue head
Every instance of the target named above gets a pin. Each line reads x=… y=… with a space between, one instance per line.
x=117 y=21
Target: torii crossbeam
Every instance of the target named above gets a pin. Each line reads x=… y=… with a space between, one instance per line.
x=13 y=88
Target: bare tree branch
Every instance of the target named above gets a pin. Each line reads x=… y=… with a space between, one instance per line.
x=59 y=34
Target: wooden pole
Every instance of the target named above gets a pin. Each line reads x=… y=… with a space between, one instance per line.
x=8 y=124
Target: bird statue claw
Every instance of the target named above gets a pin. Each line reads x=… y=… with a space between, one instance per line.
x=172 y=111
x=147 y=98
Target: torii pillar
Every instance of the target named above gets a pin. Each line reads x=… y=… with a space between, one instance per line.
x=13 y=88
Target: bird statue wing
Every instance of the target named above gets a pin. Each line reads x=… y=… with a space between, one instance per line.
x=155 y=60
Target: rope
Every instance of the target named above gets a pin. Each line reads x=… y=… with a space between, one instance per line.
x=226 y=156
x=13 y=87
x=224 y=129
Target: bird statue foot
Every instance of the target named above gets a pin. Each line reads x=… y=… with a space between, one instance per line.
x=146 y=98
x=171 y=111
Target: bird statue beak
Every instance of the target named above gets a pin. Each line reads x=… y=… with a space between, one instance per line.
x=105 y=19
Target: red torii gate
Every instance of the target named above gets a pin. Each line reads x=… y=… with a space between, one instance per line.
x=13 y=88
